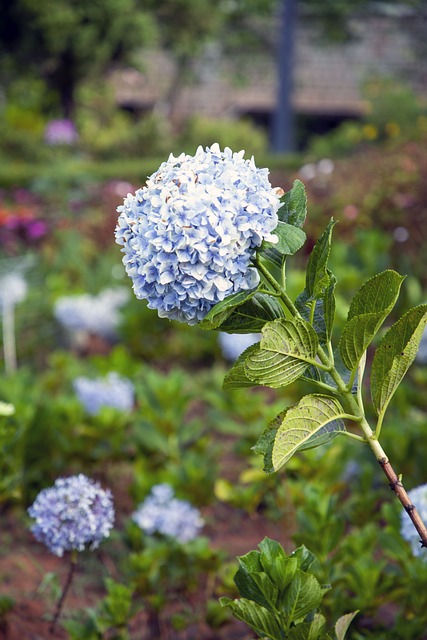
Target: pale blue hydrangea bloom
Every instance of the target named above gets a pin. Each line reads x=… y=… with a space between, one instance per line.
x=73 y=514
x=162 y=513
x=94 y=314
x=421 y=356
x=233 y=344
x=13 y=289
x=189 y=234
x=418 y=497
x=112 y=391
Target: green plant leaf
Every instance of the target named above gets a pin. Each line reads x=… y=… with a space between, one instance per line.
x=394 y=355
x=329 y=305
x=249 y=566
x=304 y=556
x=294 y=209
x=324 y=435
x=252 y=315
x=290 y=239
x=302 y=422
x=237 y=377
x=308 y=630
x=317 y=276
x=303 y=595
x=343 y=623
x=368 y=310
x=264 y=444
x=285 y=348
x=257 y=617
x=220 y=312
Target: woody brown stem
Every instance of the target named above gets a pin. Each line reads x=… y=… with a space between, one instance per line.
x=398 y=488
x=73 y=565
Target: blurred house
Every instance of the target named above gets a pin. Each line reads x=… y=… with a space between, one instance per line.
x=328 y=78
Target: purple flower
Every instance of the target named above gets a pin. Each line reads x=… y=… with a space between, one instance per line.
x=60 y=132
x=162 y=513
x=189 y=235
x=73 y=514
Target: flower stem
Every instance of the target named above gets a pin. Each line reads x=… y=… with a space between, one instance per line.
x=9 y=343
x=67 y=585
x=355 y=407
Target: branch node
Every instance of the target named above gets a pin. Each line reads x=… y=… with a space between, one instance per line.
x=409 y=508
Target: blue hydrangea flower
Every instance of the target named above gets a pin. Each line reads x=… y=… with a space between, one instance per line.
x=421 y=356
x=162 y=513
x=418 y=497
x=73 y=514
x=233 y=344
x=94 y=314
x=189 y=234
x=111 y=391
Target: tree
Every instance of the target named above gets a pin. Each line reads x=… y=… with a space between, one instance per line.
x=66 y=41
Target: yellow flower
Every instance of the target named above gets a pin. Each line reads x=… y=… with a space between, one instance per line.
x=392 y=129
x=370 y=132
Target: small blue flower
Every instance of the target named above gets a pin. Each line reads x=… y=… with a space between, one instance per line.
x=94 y=314
x=162 y=513
x=190 y=233
x=233 y=344
x=111 y=391
x=73 y=514
x=418 y=497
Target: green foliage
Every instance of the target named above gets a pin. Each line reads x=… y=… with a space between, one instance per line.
x=280 y=596
x=240 y=134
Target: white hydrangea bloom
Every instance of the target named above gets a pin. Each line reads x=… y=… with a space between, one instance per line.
x=189 y=235
x=13 y=289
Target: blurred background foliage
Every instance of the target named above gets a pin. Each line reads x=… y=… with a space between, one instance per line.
x=57 y=219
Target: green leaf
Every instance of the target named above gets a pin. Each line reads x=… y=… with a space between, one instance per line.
x=290 y=239
x=249 y=566
x=285 y=350
x=317 y=276
x=394 y=355
x=324 y=435
x=237 y=377
x=302 y=422
x=303 y=595
x=304 y=556
x=257 y=617
x=308 y=630
x=294 y=209
x=264 y=445
x=252 y=315
x=329 y=305
x=343 y=623
x=220 y=312
x=368 y=310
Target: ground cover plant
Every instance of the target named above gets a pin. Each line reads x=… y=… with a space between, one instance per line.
x=178 y=429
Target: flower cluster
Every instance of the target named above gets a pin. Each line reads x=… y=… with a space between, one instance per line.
x=189 y=235
x=13 y=289
x=111 y=391
x=162 y=513
x=418 y=497
x=233 y=344
x=73 y=514
x=61 y=131
x=94 y=314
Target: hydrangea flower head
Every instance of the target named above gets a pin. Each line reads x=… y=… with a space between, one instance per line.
x=111 y=391
x=189 y=234
x=73 y=514
x=162 y=513
x=233 y=344
x=13 y=289
x=418 y=497
x=95 y=314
